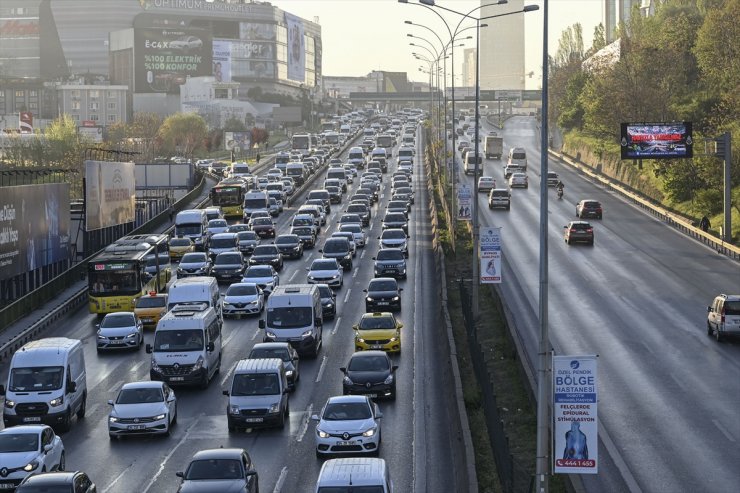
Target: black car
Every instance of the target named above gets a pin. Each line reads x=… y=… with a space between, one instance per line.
x=398 y=206
x=248 y=241
x=267 y=255
x=394 y=220
x=372 y=193
x=220 y=470
x=290 y=246
x=383 y=294
x=71 y=482
x=338 y=248
x=328 y=301
x=390 y=262
x=369 y=373
x=263 y=226
x=589 y=208
x=228 y=266
x=305 y=234
x=283 y=351
x=361 y=210
x=323 y=195
x=335 y=194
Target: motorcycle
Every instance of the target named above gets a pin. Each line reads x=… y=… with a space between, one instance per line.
x=560 y=193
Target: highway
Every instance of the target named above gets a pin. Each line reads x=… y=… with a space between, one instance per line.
x=669 y=394
x=421 y=439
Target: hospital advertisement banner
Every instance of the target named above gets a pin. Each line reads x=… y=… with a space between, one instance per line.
x=296 y=48
x=222 y=60
x=464 y=202
x=575 y=397
x=110 y=194
x=490 y=256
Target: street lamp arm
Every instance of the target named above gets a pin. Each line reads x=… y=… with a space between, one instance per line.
x=428 y=29
x=527 y=8
x=436 y=53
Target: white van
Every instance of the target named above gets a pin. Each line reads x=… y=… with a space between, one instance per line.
x=470 y=161
x=356 y=156
x=338 y=173
x=406 y=154
x=187 y=346
x=254 y=201
x=294 y=315
x=361 y=473
x=194 y=290
x=258 y=395
x=46 y=384
x=193 y=224
x=240 y=170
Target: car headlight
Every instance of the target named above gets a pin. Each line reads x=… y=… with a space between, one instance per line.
x=393 y=339
x=270 y=335
x=369 y=299
x=198 y=364
x=131 y=335
x=31 y=466
x=155 y=366
x=274 y=408
x=234 y=410
x=322 y=433
x=9 y=404
x=335 y=276
x=359 y=339
x=112 y=419
x=370 y=432
x=347 y=381
x=388 y=380
x=101 y=336
x=57 y=402
x=310 y=276
x=289 y=373
x=307 y=333
x=396 y=298
x=159 y=416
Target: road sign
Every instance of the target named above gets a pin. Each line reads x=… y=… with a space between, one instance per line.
x=490 y=256
x=464 y=202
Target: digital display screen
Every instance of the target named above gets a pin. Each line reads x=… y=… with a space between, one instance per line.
x=656 y=140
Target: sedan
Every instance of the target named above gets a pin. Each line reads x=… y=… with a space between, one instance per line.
x=120 y=330
x=267 y=255
x=180 y=246
x=403 y=193
x=589 y=208
x=68 y=482
x=306 y=234
x=328 y=301
x=242 y=298
x=263 y=226
x=248 y=241
x=394 y=238
x=358 y=235
x=216 y=226
x=194 y=264
x=348 y=425
x=264 y=276
x=378 y=330
x=461 y=144
x=282 y=351
x=383 y=293
x=578 y=231
x=290 y=246
x=27 y=450
x=394 y=220
x=398 y=206
x=390 y=262
x=518 y=180
x=335 y=194
x=361 y=210
x=486 y=183
x=228 y=266
x=223 y=470
x=370 y=373
x=552 y=179
x=326 y=271
x=143 y=408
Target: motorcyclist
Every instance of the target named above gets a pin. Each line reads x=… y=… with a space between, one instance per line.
x=560 y=186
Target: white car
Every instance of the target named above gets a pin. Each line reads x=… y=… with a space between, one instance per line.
x=216 y=226
x=358 y=235
x=186 y=43
x=348 y=424
x=242 y=298
x=120 y=330
x=288 y=186
x=486 y=183
x=27 y=450
x=264 y=276
x=518 y=180
x=326 y=271
x=143 y=408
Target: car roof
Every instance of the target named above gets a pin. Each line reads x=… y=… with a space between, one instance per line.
x=51 y=477
x=219 y=453
x=337 y=399
x=30 y=429
x=143 y=384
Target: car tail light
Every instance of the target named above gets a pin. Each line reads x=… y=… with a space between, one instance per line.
x=590 y=230
x=573 y=230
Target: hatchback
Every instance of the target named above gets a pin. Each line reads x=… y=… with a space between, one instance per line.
x=264 y=276
x=378 y=330
x=383 y=293
x=120 y=330
x=723 y=317
x=370 y=373
x=290 y=246
x=348 y=425
x=267 y=255
x=326 y=271
x=518 y=180
x=27 y=450
x=242 y=298
x=486 y=183
x=228 y=266
x=283 y=351
x=589 y=208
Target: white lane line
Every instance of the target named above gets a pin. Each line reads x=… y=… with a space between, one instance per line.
x=91 y=410
x=230 y=337
x=116 y=386
x=649 y=349
x=228 y=374
x=336 y=326
x=308 y=260
x=321 y=369
x=256 y=332
x=354 y=274
x=724 y=430
x=117 y=478
x=362 y=256
x=281 y=480
x=304 y=425
x=346 y=295
x=136 y=367
x=104 y=376
x=170 y=454
x=293 y=276
x=678 y=382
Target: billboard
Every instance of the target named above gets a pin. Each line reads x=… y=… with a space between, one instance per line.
x=296 y=48
x=257 y=31
x=238 y=141
x=575 y=397
x=656 y=140
x=25 y=122
x=94 y=134
x=34 y=227
x=490 y=256
x=110 y=194
x=222 y=60
x=165 y=58
x=464 y=198
x=287 y=114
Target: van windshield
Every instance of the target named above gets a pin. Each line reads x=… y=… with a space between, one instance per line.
x=178 y=340
x=255 y=384
x=189 y=229
x=36 y=378
x=289 y=317
x=351 y=489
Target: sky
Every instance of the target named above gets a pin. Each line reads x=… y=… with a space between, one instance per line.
x=363 y=35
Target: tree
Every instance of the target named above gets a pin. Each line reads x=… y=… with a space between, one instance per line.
x=183 y=133
x=259 y=135
x=143 y=131
x=234 y=124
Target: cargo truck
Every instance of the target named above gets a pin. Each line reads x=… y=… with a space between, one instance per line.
x=494 y=147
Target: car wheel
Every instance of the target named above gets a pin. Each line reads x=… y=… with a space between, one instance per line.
x=167 y=431
x=174 y=418
x=112 y=437
x=65 y=425
x=231 y=428
x=83 y=407
x=591 y=243
x=709 y=330
x=718 y=335
x=204 y=381
x=281 y=424
x=62 y=462
x=566 y=241
x=319 y=455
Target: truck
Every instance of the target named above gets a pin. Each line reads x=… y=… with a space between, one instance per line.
x=494 y=147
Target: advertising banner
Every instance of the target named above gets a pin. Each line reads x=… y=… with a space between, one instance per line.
x=575 y=393
x=94 y=134
x=165 y=58
x=25 y=122
x=110 y=194
x=34 y=227
x=257 y=31
x=657 y=140
x=464 y=197
x=238 y=141
x=490 y=256
x=222 y=60
x=296 y=48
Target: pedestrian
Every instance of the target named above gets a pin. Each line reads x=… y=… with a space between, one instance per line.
x=172 y=212
x=257 y=158
x=704 y=224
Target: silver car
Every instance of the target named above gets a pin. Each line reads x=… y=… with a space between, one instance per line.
x=143 y=408
x=326 y=271
x=242 y=298
x=263 y=276
x=27 y=450
x=120 y=330
x=348 y=424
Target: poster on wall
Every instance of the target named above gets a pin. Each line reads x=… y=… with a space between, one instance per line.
x=490 y=256
x=257 y=31
x=222 y=60
x=464 y=202
x=575 y=397
x=237 y=141
x=34 y=227
x=110 y=194
x=296 y=48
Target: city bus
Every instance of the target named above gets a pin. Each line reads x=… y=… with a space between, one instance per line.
x=229 y=197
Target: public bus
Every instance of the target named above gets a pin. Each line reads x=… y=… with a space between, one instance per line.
x=228 y=196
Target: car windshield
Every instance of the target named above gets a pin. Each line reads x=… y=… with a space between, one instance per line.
x=151 y=302
x=373 y=322
x=390 y=254
x=36 y=379
x=382 y=285
x=210 y=469
x=396 y=204
x=395 y=217
x=336 y=246
x=286 y=240
x=246 y=235
x=178 y=340
x=262 y=221
x=229 y=259
x=303 y=231
x=350 y=218
x=140 y=396
x=290 y=317
x=217 y=223
x=114 y=321
x=222 y=243
x=360 y=209
x=259 y=271
x=255 y=384
x=18 y=442
x=241 y=290
x=363 y=362
x=351 y=228
x=180 y=242
x=265 y=250
x=193 y=258
x=343 y=411
x=325 y=291
x=390 y=234
x=270 y=352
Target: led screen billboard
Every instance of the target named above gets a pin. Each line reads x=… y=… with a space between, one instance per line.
x=165 y=58
x=34 y=227
x=656 y=140
x=110 y=194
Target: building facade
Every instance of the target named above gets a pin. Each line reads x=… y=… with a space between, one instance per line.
x=502 y=47
x=99 y=105
x=619 y=11
x=468 y=67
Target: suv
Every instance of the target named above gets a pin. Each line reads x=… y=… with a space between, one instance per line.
x=577 y=231
x=499 y=197
x=339 y=249
x=588 y=208
x=724 y=316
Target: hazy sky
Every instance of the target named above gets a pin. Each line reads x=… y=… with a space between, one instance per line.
x=363 y=35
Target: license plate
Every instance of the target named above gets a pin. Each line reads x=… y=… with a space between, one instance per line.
x=347 y=443
x=32 y=419
x=384 y=303
x=7 y=486
x=389 y=271
x=376 y=346
x=372 y=396
x=136 y=427
x=254 y=420
x=177 y=379
x=116 y=342
x=147 y=320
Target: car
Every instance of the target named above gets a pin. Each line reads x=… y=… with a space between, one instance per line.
x=383 y=293
x=335 y=194
x=358 y=235
x=370 y=373
x=216 y=226
x=179 y=246
x=220 y=470
x=69 y=482
x=578 y=231
x=290 y=246
x=461 y=144
x=404 y=192
x=288 y=185
x=214 y=213
x=142 y=408
x=238 y=228
x=723 y=316
x=589 y=208
x=378 y=331
x=283 y=351
x=194 y=264
x=361 y=210
x=552 y=179
x=398 y=206
x=406 y=167
x=228 y=266
x=339 y=249
x=257 y=214
x=306 y=234
x=263 y=226
x=247 y=241
x=186 y=43
x=499 y=198
x=325 y=271
x=395 y=220
x=316 y=211
x=394 y=238
x=275 y=207
x=150 y=308
x=222 y=242
x=510 y=169
x=120 y=330
x=328 y=301
x=242 y=298
x=264 y=276
x=348 y=425
x=349 y=237
x=26 y=450
x=390 y=262
x=486 y=183
x=306 y=220
x=518 y=180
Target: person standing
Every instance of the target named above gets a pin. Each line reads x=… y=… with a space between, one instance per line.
x=704 y=224
x=257 y=158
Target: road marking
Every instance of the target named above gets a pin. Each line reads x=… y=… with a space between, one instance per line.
x=362 y=256
x=724 y=430
x=115 y=386
x=308 y=259
x=228 y=373
x=304 y=426
x=346 y=295
x=117 y=478
x=229 y=338
x=336 y=325
x=291 y=277
x=136 y=367
x=170 y=454
x=354 y=274
x=321 y=369
x=91 y=410
x=281 y=480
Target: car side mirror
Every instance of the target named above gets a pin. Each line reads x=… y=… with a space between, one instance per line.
x=72 y=387
x=378 y=414
x=48 y=448
x=251 y=472
x=97 y=326
x=2 y=389
x=210 y=347
x=373 y=258
x=321 y=251
x=315 y=417
x=110 y=402
x=261 y=324
x=709 y=309
x=180 y=474
x=225 y=392
x=148 y=348
x=343 y=369
x=394 y=367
